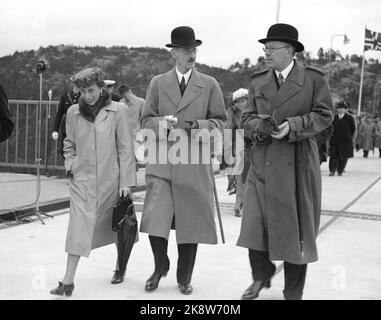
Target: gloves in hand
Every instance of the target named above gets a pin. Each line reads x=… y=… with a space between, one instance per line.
x=69 y=174
x=266 y=127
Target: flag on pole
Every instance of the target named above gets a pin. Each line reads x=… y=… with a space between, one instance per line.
x=372 y=40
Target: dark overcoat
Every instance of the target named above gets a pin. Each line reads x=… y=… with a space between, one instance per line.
x=342 y=138
x=283 y=187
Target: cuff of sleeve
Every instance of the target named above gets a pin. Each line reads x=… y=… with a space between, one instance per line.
x=203 y=124
x=292 y=135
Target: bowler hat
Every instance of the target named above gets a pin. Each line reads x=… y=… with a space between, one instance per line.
x=341 y=104
x=285 y=33
x=183 y=37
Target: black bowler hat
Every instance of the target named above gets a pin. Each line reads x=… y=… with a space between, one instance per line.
x=285 y=33
x=183 y=37
x=341 y=104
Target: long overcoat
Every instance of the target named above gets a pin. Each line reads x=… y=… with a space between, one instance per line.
x=367 y=132
x=181 y=191
x=284 y=180
x=342 y=137
x=101 y=157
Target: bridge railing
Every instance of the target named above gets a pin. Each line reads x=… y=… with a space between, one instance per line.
x=20 y=150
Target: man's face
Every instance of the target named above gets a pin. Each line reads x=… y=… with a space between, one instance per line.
x=185 y=58
x=91 y=94
x=277 y=55
x=340 y=111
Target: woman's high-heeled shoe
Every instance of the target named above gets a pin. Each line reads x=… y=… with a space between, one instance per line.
x=153 y=281
x=63 y=289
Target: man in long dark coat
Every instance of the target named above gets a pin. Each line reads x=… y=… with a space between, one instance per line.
x=341 y=143
x=6 y=124
x=288 y=105
x=180 y=194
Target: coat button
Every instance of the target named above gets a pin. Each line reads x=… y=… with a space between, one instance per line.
x=267 y=163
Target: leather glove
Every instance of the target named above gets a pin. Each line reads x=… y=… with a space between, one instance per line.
x=191 y=125
x=266 y=127
x=69 y=174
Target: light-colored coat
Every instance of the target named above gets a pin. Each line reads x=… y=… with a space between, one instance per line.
x=367 y=132
x=181 y=190
x=275 y=189
x=101 y=157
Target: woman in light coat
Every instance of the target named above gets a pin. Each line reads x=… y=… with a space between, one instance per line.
x=100 y=162
x=367 y=132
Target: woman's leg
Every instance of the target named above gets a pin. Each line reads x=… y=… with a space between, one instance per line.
x=71 y=268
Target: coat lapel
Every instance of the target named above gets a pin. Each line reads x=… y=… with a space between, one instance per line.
x=291 y=86
x=171 y=87
x=193 y=90
x=269 y=88
x=103 y=113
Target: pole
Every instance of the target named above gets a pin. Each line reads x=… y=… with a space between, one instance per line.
x=330 y=59
x=362 y=77
x=361 y=82
x=277 y=11
x=217 y=202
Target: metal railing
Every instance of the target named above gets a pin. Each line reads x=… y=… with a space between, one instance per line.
x=21 y=149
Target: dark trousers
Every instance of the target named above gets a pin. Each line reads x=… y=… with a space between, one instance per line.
x=336 y=163
x=185 y=262
x=366 y=152
x=294 y=274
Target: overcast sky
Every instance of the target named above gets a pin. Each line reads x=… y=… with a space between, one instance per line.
x=229 y=29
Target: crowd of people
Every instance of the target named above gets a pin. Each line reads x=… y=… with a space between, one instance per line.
x=286 y=116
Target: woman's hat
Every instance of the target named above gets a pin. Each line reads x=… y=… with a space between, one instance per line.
x=183 y=37
x=109 y=83
x=87 y=78
x=240 y=93
x=285 y=33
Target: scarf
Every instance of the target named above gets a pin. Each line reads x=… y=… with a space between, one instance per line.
x=90 y=112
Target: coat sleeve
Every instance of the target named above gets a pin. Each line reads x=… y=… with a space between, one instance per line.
x=6 y=124
x=216 y=116
x=125 y=147
x=69 y=148
x=59 y=114
x=321 y=115
x=250 y=117
x=150 y=115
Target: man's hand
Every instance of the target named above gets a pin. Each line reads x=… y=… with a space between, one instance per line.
x=124 y=191
x=191 y=125
x=284 y=129
x=55 y=135
x=171 y=122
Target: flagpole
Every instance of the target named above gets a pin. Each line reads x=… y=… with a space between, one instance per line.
x=362 y=78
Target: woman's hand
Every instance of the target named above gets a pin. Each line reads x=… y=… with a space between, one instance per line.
x=125 y=191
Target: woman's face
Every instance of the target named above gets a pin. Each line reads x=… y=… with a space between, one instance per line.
x=91 y=94
x=240 y=103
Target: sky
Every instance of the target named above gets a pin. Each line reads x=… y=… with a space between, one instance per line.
x=229 y=29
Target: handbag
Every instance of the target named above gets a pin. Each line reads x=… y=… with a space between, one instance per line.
x=123 y=209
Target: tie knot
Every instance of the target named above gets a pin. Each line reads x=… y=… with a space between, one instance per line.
x=281 y=78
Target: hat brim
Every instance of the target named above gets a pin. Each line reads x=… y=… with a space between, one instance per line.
x=190 y=45
x=298 y=46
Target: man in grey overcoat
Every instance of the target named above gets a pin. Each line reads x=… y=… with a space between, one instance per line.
x=180 y=196
x=288 y=105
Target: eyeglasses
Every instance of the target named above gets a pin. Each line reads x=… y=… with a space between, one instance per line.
x=271 y=49
x=189 y=51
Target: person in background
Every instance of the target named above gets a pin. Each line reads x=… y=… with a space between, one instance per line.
x=59 y=127
x=341 y=143
x=6 y=124
x=99 y=161
x=110 y=88
x=367 y=132
x=234 y=117
x=378 y=135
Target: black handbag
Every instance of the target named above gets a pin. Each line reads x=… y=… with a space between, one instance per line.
x=123 y=210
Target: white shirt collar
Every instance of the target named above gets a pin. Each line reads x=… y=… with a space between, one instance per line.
x=186 y=76
x=285 y=72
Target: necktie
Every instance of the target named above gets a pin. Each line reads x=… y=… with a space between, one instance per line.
x=281 y=79
x=182 y=86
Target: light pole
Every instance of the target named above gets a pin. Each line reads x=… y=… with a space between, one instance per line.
x=346 y=41
x=277 y=11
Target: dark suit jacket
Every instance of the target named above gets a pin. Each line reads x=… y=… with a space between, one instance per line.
x=6 y=124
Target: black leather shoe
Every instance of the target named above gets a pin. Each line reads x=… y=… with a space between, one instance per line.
x=63 y=289
x=153 y=281
x=331 y=174
x=117 y=277
x=252 y=292
x=185 y=288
